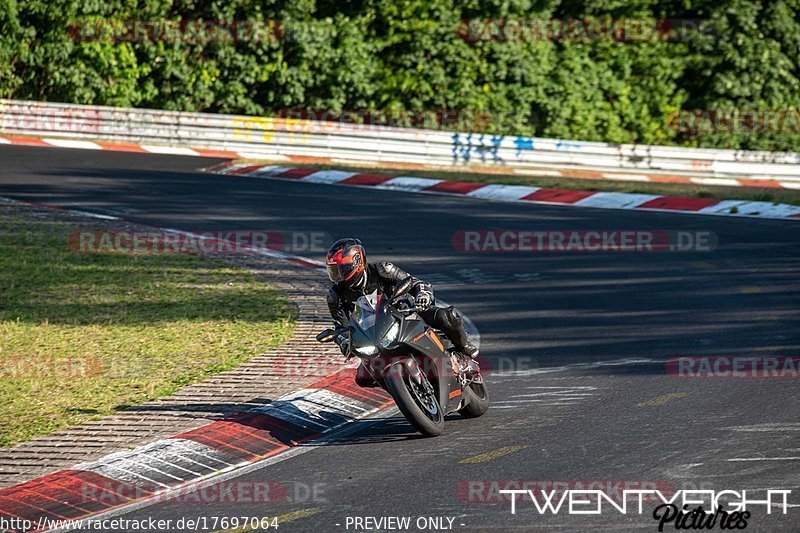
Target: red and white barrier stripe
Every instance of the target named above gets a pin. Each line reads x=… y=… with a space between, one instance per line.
x=163 y=468
x=519 y=193
x=116 y=147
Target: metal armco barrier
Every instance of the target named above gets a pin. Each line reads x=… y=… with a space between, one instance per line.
x=276 y=138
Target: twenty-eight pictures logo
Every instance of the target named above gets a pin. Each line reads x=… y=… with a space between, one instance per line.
x=685 y=508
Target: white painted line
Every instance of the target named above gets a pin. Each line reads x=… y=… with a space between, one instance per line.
x=405 y=183
x=167 y=451
x=781 y=211
x=227 y=169
x=289 y=413
x=716 y=181
x=571 y=387
x=561 y=394
x=262 y=156
x=174 y=150
x=741 y=459
x=196 y=448
x=93 y=215
x=141 y=462
x=328 y=176
x=107 y=470
x=615 y=200
x=790 y=184
x=549 y=401
x=723 y=208
x=71 y=143
x=322 y=407
x=582 y=366
x=4 y=141
x=173 y=464
x=172 y=460
x=503 y=192
x=626 y=177
x=760 y=209
x=767 y=428
x=267 y=171
x=315 y=406
x=516 y=402
x=536 y=172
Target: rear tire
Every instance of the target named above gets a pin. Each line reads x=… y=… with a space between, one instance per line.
x=427 y=423
x=478 y=396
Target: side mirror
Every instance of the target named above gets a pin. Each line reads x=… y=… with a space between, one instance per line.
x=402 y=287
x=326 y=336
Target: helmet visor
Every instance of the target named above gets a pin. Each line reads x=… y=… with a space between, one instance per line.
x=340 y=272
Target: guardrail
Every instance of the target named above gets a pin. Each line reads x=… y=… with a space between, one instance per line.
x=276 y=138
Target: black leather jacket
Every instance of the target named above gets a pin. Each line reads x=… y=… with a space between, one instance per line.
x=381 y=277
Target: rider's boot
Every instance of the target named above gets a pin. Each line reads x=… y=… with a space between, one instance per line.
x=468 y=349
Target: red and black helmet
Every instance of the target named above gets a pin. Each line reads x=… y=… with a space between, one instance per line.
x=346 y=261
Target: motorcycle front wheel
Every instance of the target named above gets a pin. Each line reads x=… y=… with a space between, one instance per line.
x=417 y=401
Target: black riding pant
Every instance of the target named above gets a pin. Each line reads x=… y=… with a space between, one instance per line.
x=448 y=321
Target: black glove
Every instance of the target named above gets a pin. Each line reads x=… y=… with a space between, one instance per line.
x=424 y=299
x=342 y=340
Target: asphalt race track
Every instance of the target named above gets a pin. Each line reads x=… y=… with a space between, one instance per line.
x=577 y=343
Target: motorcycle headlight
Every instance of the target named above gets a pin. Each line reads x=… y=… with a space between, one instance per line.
x=367 y=350
x=391 y=335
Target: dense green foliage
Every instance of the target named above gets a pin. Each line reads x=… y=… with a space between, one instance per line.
x=425 y=55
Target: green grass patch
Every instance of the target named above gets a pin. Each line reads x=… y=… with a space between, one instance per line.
x=84 y=334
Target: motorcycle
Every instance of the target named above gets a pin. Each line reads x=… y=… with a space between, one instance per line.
x=409 y=360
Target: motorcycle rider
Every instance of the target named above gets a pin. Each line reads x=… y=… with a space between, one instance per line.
x=352 y=277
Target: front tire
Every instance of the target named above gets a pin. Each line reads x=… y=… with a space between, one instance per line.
x=426 y=416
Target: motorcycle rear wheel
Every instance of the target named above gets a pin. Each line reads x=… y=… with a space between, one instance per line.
x=478 y=396
x=425 y=414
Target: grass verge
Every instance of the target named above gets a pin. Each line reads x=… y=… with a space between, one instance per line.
x=84 y=334
x=760 y=194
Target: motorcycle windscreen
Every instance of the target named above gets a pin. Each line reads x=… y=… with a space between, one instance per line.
x=369 y=315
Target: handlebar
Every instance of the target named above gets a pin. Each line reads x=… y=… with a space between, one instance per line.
x=410 y=310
